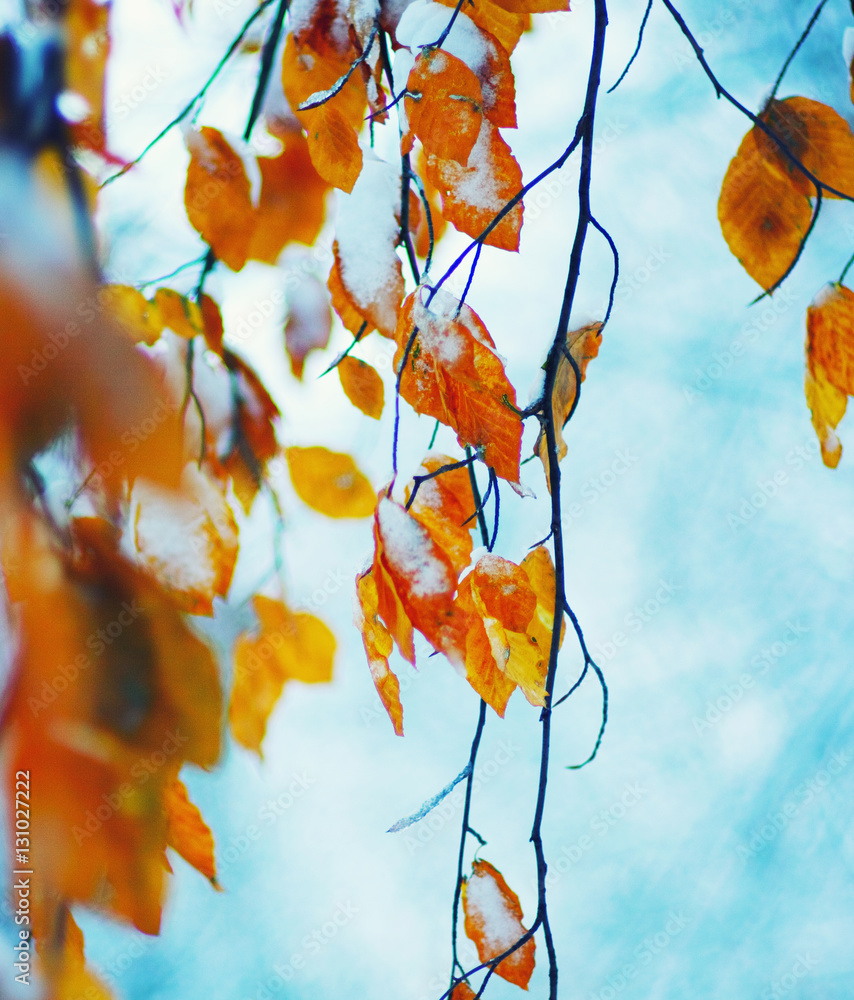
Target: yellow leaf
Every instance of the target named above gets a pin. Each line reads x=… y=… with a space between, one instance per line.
x=179 y=313
x=362 y=386
x=304 y=648
x=582 y=346
x=256 y=689
x=329 y=482
x=378 y=644
x=830 y=365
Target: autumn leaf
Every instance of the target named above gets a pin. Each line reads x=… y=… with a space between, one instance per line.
x=313 y=64
x=290 y=646
x=217 y=196
x=62 y=960
x=362 y=386
x=444 y=106
x=582 y=346
x=366 y=267
x=378 y=644
x=482 y=669
x=187 y=832
x=329 y=482
x=140 y=319
x=453 y=374
x=830 y=365
x=444 y=504
x=493 y=921
x=180 y=314
x=462 y=991
x=474 y=194
x=817 y=136
x=422 y=578
x=291 y=206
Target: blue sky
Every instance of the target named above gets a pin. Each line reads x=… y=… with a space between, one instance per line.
x=709 y=849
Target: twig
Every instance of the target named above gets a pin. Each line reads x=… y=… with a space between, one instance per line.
x=622 y=75
x=794 y=52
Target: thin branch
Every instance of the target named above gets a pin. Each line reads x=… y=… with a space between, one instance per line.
x=622 y=75
x=199 y=95
x=403 y=362
x=165 y=277
x=268 y=54
x=479 y=503
x=418 y=480
x=440 y=40
x=475 y=746
x=359 y=334
x=493 y=486
x=616 y=276
x=845 y=270
x=428 y=214
x=322 y=96
x=798 y=44
x=598 y=743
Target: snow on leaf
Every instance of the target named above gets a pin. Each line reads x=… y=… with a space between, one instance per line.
x=309 y=321
x=444 y=106
x=453 y=374
x=187 y=832
x=329 y=482
x=493 y=921
x=442 y=504
x=362 y=386
x=582 y=345
x=830 y=365
x=189 y=541
x=474 y=194
x=217 y=196
x=422 y=577
x=366 y=233
x=378 y=645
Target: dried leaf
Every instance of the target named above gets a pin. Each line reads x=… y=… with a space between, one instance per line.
x=830 y=365
x=763 y=215
x=309 y=322
x=482 y=670
x=362 y=386
x=582 y=345
x=443 y=505
x=255 y=691
x=180 y=314
x=330 y=482
x=187 y=832
x=217 y=196
x=378 y=644
x=493 y=921
x=453 y=374
x=139 y=318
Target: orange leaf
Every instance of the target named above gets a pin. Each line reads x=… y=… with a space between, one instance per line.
x=217 y=196
x=329 y=482
x=187 y=832
x=256 y=689
x=482 y=670
x=453 y=375
x=421 y=575
x=499 y=20
x=493 y=921
x=332 y=127
x=418 y=220
x=830 y=365
x=442 y=505
x=819 y=137
x=474 y=194
x=309 y=321
x=444 y=106
x=762 y=214
x=582 y=346
x=138 y=317
x=291 y=206
x=378 y=646
x=462 y=991
x=62 y=960
x=362 y=386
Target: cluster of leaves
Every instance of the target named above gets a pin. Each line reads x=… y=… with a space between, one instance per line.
x=798 y=153
x=164 y=430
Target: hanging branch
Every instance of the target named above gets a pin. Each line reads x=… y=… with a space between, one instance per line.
x=794 y=52
x=622 y=75
x=253 y=17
